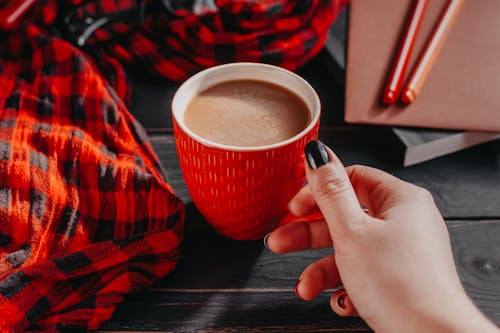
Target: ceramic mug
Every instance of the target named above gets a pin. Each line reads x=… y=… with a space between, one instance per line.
x=243 y=192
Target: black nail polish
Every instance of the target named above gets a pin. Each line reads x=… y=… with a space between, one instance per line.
x=341 y=301
x=316 y=154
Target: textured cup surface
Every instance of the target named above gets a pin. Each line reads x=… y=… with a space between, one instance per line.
x=243 y=192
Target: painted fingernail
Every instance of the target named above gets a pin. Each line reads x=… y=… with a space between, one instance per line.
x=265 y=240
x=296 y=289
x=341 y=301
x=316 y=154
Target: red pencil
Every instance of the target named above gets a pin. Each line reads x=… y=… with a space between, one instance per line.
x=431 y=51
x=395 y=81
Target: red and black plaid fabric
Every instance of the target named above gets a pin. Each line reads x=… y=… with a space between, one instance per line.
x=86 y=213
x=176 y=38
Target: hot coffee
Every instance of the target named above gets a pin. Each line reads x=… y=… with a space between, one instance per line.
x=246 y=113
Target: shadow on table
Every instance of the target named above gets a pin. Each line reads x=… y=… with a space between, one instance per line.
x=238 y=286
x=209 y=260
x=211 y=267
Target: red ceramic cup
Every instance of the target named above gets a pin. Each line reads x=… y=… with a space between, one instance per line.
x=243 y=192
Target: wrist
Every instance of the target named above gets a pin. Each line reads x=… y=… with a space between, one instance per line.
x=455 y=316
x=448 y=312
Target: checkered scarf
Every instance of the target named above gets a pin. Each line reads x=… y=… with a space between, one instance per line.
x=174 y=39
x=86 y=214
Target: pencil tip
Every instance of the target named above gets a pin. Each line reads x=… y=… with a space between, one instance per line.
x=389 y=97
x=408 y=96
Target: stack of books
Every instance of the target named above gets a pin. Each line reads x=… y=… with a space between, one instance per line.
x=458 y=104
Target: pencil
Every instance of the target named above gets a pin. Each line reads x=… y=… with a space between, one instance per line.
x=431 y=51
x=395 y=81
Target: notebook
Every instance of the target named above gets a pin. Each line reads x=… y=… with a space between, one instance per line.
x=421 y=144
x=462 y=91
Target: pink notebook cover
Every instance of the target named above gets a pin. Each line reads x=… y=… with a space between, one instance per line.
x=462 y=90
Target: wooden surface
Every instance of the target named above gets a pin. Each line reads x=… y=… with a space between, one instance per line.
x=228 y=285
x=235 y=286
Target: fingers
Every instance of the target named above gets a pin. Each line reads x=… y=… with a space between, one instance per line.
x=338 y=192
x=342 y=305
x=374 y=189
x=331 y=188
x=379 y=190
x=320 y=276
x=299 y=236
x=317 y=277
x=303 y=203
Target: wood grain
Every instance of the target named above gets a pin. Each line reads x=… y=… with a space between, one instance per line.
x=476 y=247
x=465 y=185
x=238 y=311
x=236 y=286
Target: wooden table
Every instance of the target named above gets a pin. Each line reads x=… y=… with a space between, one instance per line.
x=239 y=286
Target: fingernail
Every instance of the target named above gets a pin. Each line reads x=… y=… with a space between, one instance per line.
x=341 y=301
x=296 y=289
x=316 y=154
x=265 y=240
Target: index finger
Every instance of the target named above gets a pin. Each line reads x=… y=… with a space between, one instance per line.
x=378 y=189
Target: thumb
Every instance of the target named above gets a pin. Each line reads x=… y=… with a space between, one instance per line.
x=331 y=188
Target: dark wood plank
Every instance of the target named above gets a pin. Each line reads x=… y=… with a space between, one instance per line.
x=221 y=284
x=464 y=185
x=215 y=262
x=230 y=311
x=476 y=247
x=242 y=287
x=151 y=103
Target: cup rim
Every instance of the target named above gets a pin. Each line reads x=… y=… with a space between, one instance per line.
x=312 y=123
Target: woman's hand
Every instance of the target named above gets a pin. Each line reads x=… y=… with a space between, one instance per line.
x=394 y=260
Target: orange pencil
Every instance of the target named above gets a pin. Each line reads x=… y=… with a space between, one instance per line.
x=398 y=70
x=431 y=51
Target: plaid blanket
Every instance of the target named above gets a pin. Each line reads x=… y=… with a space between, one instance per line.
x=86 y=213
x=174 y=39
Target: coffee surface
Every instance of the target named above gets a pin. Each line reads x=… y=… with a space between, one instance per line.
x=246 y=113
